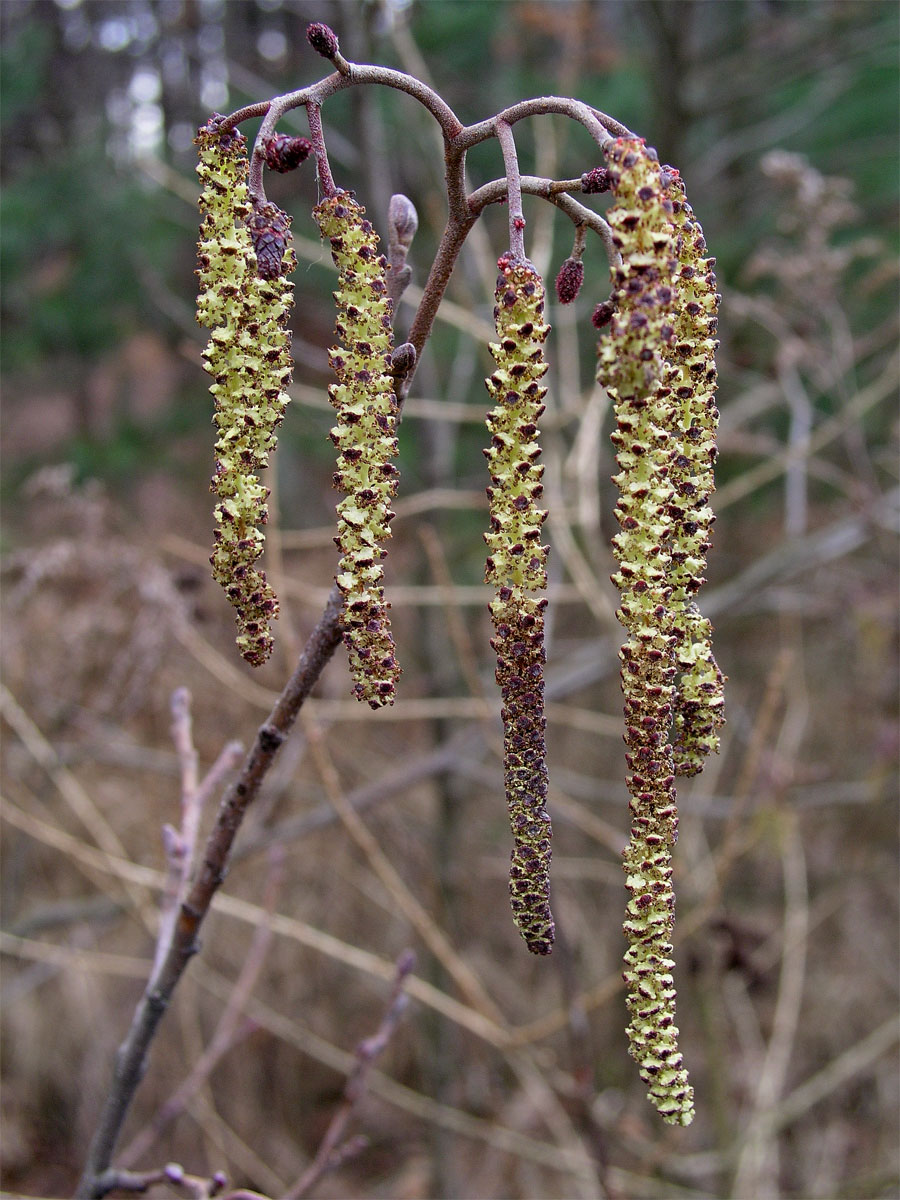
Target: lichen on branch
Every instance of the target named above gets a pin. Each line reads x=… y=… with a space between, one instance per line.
x=517 y=566
x=365 y=437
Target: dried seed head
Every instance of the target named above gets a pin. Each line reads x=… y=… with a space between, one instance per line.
x=569 y=280
x=284 y=153
x=323 y=39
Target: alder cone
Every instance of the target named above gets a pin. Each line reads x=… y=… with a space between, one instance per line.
x=269 y=229
x=285 y=153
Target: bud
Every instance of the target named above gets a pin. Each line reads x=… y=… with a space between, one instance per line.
x=284 y=153
x=569 y=280
x=323 y=39
x=403 y=220
x=596 y=180
x=403 y=359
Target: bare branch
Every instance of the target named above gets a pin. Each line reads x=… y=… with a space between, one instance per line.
x=131 y=1059
x=331 y=1153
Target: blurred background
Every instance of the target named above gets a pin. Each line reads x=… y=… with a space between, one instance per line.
x=783 y=120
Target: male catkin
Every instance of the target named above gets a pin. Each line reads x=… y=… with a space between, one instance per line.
x=689 y=382
x=248 y=356
x=365 y=436
x=517 y=566
x=632 y=366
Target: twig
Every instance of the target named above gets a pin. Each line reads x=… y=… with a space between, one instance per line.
x=756 y=1168
x=227 y=1031
x=331 y=1152
x=131 y=1059
x=181 y=846
x=513 y=190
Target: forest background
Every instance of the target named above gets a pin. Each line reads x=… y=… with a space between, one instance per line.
x=782 y=118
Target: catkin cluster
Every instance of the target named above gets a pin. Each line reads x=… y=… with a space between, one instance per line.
x=516 y=566
x=248 y=356
x=635 y=366
x=365 y=437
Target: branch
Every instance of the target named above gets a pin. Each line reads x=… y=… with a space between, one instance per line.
x=131 y=1059
x=332 y=1152
x=557 y=192
x=229 y=1029
x=513 y=191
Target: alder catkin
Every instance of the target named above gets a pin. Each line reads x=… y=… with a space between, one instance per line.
x=517 y=567
x=632 y=364
x=365 y=437
x=248 y=356
x=690 y=380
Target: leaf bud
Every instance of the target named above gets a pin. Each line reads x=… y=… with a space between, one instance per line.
x=403 y=220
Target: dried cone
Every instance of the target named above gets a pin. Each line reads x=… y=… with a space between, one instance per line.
x=632 y=367
x=517 y=567
x=365 y=438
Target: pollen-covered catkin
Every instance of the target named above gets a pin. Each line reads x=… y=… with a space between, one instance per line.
x=631 y=366
x=248 y=356
x=517 y=566
x=690 y=380
x=365 y=437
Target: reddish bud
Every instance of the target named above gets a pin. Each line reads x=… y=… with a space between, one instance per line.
x=323 y=39
x=569 y=280
x=596 y=180
x=284 y=153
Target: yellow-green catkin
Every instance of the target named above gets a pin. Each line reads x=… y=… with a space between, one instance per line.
x=690 y=381
x=248 y=356
x=632 y=365
x=517 y=567
x=365 y=436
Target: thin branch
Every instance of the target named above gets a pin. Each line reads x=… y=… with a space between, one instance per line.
x=228 y=1030
x=331 y=1152
x=326 y=179
x=131 y=1059
x=513 y=190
